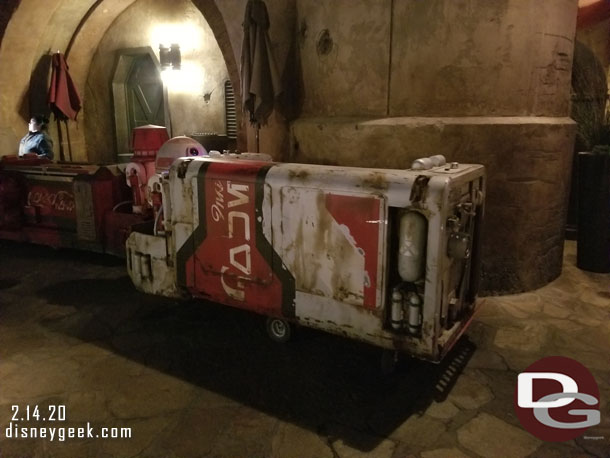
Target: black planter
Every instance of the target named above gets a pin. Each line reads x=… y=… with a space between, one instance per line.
x=593 y=246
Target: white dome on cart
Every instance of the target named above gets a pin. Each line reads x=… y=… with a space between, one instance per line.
x=177 y=147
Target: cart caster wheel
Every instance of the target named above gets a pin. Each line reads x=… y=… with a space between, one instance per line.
x=389 y=362
x=279 y=330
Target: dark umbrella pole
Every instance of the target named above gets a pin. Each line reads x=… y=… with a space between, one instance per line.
x=60 y=136
x=257 y=128
x=62 y=157
x=68 y=140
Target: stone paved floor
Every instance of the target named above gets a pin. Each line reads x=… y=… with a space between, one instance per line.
x=200 y=380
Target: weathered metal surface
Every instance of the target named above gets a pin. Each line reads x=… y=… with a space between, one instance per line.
x=227 y=256
x=148 y=267
x=312 y=244
x=50 y=203
x=11 y=201
x=330 y=242
x=85 y=211
x=63 y=205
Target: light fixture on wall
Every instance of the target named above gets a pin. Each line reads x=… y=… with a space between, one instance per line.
x=169 y=57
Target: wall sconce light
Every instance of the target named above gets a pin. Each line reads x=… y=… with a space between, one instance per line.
x=169 y=57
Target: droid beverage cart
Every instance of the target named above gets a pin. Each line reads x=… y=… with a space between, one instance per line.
x=389 y=257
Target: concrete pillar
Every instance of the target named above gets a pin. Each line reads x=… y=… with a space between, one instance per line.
x=387 y=81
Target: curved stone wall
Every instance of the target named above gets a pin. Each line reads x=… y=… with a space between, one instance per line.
x=478 y=81
x=384 y=81
x=33 y=32
x=203 y=71
x=528 y=172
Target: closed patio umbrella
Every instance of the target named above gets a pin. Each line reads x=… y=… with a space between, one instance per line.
x=260 y=82
x=64 y=100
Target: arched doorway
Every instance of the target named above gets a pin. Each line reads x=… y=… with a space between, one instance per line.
x=139 y=96
x=77 y=28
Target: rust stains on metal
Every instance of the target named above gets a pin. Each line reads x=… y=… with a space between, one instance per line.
x=298 y=174
x=321 y=255
x=427 y=330
x=419 y=190
x=375 y=180
x=183 y=167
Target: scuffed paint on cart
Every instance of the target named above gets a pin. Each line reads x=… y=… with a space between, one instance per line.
x=319 y=246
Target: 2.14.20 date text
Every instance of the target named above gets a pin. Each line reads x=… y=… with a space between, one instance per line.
x=35 y=413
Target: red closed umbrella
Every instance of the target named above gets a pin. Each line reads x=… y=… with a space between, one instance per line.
x=64 y=100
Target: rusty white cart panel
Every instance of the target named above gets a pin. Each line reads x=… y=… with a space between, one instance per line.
x=389 y=257
x=332 y=243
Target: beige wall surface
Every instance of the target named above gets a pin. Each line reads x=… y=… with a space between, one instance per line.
x=273 y=137
x=345 y=50
x=148 y=23
x=436 y=57
x=528 y=172
x=479 y=58
x=32 y=34
x=383 y=81
x=85 y=23
x=475 y=80
x=18 y=54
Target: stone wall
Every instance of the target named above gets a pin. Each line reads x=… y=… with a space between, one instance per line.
x=528 y=171
x=203 y=71
x=595 y=37
x=382 y=82
x=32 y=34
x=19 y=55
x=345 y=57
x=479 y=81
x=282 y=17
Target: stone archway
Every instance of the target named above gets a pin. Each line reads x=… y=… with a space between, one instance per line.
x=6 y=12
x=83 y=24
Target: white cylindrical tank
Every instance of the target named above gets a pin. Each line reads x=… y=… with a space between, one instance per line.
x=412 y=235
x=415 y=309
x=397 y=313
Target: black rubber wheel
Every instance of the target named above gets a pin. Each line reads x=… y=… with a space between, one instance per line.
x=279 y=330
